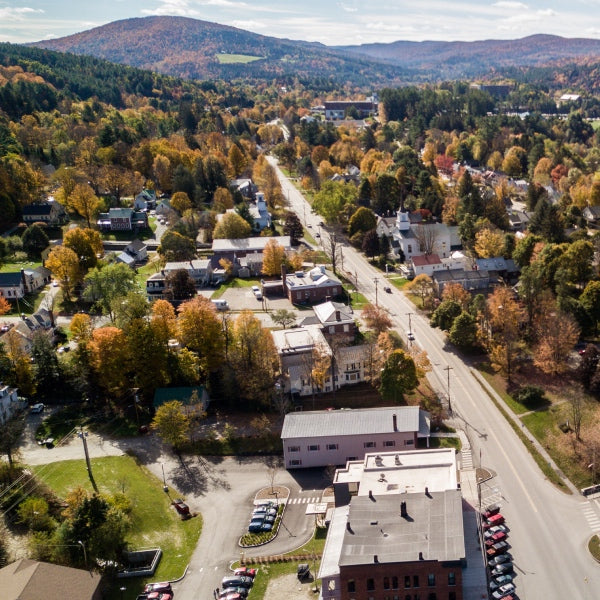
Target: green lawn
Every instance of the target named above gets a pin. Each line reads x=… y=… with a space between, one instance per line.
x=154 y=522
x=398 y=282
x=13 y=267
x=234 y=283
x=151 y=267
x=227 y=59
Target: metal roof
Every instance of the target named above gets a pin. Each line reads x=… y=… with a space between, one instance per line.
x=360 y=421
x=376 y=531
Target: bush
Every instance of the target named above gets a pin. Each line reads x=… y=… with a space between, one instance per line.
x=530 y=395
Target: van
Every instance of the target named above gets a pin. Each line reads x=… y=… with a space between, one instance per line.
x=220 y=304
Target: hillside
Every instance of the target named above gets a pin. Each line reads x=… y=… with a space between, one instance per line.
x=191 y=48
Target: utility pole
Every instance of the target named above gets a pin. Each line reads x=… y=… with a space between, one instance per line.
x=409 y=315
x=376 y=280
x=448 y=369
x=83 y=436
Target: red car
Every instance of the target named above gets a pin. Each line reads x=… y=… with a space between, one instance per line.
x=245 y=572
x=160 y=596
x=496 y=519
x=497 y=537
x=498 y=548
x=490 y=511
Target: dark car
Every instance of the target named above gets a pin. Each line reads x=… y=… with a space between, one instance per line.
x=388 y=289
x=497 y=560
x=498 y=548
x=237 y=582
x=500 y=580
x=255 y=525
x=181 y=507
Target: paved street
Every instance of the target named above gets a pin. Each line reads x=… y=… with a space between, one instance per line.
x=549 y=530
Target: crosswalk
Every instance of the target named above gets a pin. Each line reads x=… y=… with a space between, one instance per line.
x=591 y=516
x=304 y=500
x=466 y=458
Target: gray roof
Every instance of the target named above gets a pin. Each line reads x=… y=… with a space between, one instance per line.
x=11 y=279
x=358 y=421
x=434 y=527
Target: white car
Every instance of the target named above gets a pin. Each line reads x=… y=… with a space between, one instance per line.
x=257 y=293
x=37 y=408
x=410 y=335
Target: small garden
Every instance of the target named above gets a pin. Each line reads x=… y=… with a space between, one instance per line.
x=263 y=537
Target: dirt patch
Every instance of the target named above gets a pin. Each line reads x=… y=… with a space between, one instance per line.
x=288 y=587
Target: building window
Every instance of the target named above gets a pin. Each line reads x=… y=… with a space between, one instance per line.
x=351 y=458
x=451 y=578
x=431 y=580
x=346 y=328
x=432 y=596
x=451 y=595
x=295 y=463
x=314 y=448
x=410 y=249
x=415 y=581
x=370 y=585
x=331 y=585
x=389 y=443
x=369 y=444
x=332 y=330
x=394 y=583
x=407 y=597
x=332 y=446
x=407 y=581
x=386 y=583
x=351 y=586
x=293 y=448
x=409 y=442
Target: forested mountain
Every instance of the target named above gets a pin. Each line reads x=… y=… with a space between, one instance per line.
x=197 y=49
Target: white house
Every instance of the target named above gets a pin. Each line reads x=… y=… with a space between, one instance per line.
x=426 y=264
x=260 y=213
x=145 y=200
x=334 y=437
x=10 y=404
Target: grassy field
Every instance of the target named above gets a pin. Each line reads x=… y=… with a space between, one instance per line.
x=151 y=267
x=154 y=522
x=234 y=283
x=13 y=267
x=228 y=59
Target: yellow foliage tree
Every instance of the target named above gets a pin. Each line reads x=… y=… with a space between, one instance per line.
x=273 y=258
x=232 y=226
x=64 y=265
x=84 y=202
x=488 y=243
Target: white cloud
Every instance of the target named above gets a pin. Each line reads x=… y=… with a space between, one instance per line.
x=511 y=5
x=347 y=8
x=249 y=25
x=11 y=13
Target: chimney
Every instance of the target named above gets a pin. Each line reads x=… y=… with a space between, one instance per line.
x=338 y=315
x=395 y=421
x=24 y=281
x=371 y=495
x=427 y=491
x=375 y=559
x=421 y=556
x=403 y=511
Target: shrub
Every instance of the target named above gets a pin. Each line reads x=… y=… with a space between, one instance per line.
x=530 y=395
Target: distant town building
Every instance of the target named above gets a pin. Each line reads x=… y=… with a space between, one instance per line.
x=337 y=110
x=123 y=219
x=49 y=212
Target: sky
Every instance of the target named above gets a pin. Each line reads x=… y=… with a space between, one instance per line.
x=331 y=22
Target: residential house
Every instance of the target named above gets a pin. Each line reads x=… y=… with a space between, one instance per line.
x=352 y=363
x=298 y=350
x=335 y=318
x=10 y=404
x=155 y=286
x=195 y=399
x=315 y=286
x=244 y=186
x=398 y=530
x=426 y=264
x=233 y=249
x=337 y=110
x=12 y=285
x=49 y=212
x=200 y=271
x=123 y=219
x=332 y=437
x=250 y=265
x=163 y=208
x=36 y=279
x=592 y=215
x=260 y=213
x=499 y=268
x=145 y=200
x=134 y=253
x=28 y=579
x=41 y=320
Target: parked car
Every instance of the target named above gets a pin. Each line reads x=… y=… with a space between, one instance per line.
x=492 y=530
x=255 y=526
x=266 y=526
x=498 y=548
x=161 y=586
x=181 y=507
x=496 y=537
x=160 y=596
x=244 y=572
x=388 y=289
x=497 y=560
x=496 y=519
x=37 y=408
x=257 y=293
x=240 y=581
x=490 y=511
x=503 y=591
x=500 y=580
x=234 y=593
x=502 y=569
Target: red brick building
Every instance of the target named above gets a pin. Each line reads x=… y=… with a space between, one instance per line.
x=308 y=288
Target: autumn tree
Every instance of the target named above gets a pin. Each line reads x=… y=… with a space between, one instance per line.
x=87 y=245
x=5 y=306
x=489 y=243
x=422 y=286
x=104 y=285
x=35 y=240
x=293 y=227
x=557 y=333
x=164 y=321
x=273 y=258
x=200 y=330
x=21 y=373
x=179 y=285
x=237 y=160
x=172 y=423
x=443 y=316
x=84 y=202
x=176 y=247
x=399 y=376
x=253 y=356
x=330 y=202
x=332 y=245
x=181 y=202
x=64 y=265
x=232 y=226
x=363 y=220
x=457 y=293
x=376 y=318
x=110 y=358
x=222 y=200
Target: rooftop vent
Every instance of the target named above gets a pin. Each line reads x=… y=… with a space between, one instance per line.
x=397 y=459
x=375 y=558
x=421 y=556
x=403 y=511
x=382 y=477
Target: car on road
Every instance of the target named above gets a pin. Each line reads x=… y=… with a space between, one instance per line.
x=497 y=560
x=500 y=580
x=388 y=289
x=497 y=519
x=502 y=569
x=37 y=408
x=257 y=293
x=317 y=235
x=410 y=335
x=503 y=591
x=492 y=530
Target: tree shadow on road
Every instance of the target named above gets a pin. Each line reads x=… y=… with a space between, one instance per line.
x=195 y=475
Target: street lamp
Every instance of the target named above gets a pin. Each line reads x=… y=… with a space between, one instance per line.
x=376 y=282
x=165 y=486
x=122 y=589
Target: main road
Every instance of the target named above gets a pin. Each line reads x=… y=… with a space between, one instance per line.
x=549 y=529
